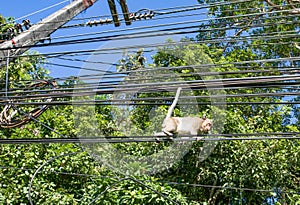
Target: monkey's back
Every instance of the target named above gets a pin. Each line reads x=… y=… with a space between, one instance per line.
x=188 y=125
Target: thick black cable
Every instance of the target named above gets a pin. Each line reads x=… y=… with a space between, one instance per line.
x=225 y=83
x=132 y=103
x=17 y=99
x=139 y=139
x=160 y=86
x=92 y=91
x=107 y=80
x=110 y=75
x=116 y=74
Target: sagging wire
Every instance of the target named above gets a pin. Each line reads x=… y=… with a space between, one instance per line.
x=152 y=181
x=41 y=167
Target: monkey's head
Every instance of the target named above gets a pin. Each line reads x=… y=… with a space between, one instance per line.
x=206 y=124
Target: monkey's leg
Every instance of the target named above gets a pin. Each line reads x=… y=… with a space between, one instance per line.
x=169 y=126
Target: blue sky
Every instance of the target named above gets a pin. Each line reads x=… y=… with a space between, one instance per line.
x=20 y=8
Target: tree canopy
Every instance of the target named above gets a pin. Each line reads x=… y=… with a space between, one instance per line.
x=231 y=72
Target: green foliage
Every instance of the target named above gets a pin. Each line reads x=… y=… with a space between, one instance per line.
x=269 y=165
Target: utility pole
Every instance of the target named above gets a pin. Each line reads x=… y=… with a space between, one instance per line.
x=41 y=30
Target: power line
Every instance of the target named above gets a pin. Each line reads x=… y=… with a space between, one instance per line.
x=151 y=26
x=152 y=181
x=134 y=103
x=159 y=32
x=115 y=78
x=226 y=187
x=110 y=87
x=136 y=76
x=88 y=91
x=139 y=139
x=160 y=11
x=136 y=73
x=104 y=51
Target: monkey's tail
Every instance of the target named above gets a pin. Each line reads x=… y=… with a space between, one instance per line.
x=174 y=103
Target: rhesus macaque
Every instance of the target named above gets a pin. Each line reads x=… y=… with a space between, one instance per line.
x=183 y=125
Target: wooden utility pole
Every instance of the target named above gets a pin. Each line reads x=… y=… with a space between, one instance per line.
x=41 y=30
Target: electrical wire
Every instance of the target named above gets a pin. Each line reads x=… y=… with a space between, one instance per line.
x=184 y=22
x=41 y=167
x=116 y=50
x=159 y=32
x=116 y=75
x=138 y=182
x=134 y=103
x=17 y=99
x=160 y=11
x=156 y=12
x=151 y=87
x=226 y=187
x=152 y=181
x=58 y=172
x=161 y=86
x=135 y=76
x=139 y=139
x=190 y=8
